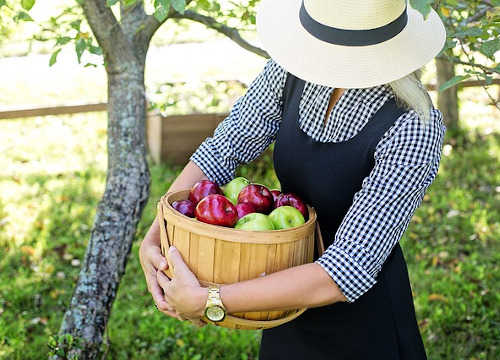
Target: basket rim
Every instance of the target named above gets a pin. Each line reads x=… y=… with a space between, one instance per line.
x=248 y=324
x=230 y=234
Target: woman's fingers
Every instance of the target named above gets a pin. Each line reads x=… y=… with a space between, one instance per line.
x=156 y=258
x=171 y=313
x=156 y=291
x=162 y=279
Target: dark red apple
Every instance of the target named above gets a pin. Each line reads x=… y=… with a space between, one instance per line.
x=216 y=209
x=257 y=195
x=276 y=194
x=245 y=209
x=291 y=199
x=203 y=188
x=185 y=207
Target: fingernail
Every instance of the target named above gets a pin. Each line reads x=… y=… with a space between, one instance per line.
x=171 y=249
x=163 y=265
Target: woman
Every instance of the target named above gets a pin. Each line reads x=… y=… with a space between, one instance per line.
x=358 y=138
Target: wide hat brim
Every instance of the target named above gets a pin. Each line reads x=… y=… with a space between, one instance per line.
x=296 y=50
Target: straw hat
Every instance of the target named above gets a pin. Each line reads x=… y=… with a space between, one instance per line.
x=348 y=43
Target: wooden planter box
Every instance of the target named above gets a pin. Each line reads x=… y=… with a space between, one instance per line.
x=174 y=138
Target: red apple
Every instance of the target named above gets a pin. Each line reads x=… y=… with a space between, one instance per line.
x=291 y=199
x=245 y=209
x=276 y=194
x=203 y=188
x=216 y=209
x=185 y=207
x=257 y=195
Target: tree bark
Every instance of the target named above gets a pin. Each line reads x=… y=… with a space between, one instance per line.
x=119 y=211
x=127 y=182
x=448 y=99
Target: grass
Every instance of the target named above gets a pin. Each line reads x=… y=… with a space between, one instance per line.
x=53 y=176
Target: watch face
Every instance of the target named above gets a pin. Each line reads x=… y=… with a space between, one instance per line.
x=215 y=313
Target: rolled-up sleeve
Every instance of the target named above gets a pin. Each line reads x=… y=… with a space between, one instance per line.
x=248 y=130
x=406 y=162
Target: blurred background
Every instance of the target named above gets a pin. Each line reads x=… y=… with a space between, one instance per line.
x=53 y=173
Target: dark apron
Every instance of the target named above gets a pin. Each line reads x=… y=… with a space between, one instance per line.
x=381 y=324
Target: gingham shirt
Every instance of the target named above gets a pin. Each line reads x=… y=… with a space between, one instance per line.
x=406 y=162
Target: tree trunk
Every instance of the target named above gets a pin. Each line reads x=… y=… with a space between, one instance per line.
x=119 y=211
x=448 y=99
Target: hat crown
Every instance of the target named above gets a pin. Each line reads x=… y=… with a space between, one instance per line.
x=355 y=14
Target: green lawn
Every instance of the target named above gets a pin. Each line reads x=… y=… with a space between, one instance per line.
x=53 y=173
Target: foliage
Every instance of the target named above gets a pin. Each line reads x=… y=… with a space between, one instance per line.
x=212 y=96
x=54 y=175
x=472 y=26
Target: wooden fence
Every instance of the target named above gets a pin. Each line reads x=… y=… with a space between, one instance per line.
x=173 y=138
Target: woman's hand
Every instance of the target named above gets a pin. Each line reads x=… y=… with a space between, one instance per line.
x=152 y=260
x=183 y=293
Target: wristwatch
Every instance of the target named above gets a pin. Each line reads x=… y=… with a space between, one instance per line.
x=214 y=309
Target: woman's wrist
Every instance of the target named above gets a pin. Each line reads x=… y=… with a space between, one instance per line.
x=201 y=297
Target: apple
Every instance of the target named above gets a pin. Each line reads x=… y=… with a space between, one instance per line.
x=233 y=188
x=216 y=209
x=203 y=188
x=276 y=194
x=285 y=217
x=257 y=195
x=292 y=200
x=245 y=209
x=185 y=207
x=255 y=222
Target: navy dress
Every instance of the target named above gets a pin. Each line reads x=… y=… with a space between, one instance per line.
x=380 y=324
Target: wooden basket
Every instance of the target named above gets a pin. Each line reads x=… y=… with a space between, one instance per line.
x=221 y=255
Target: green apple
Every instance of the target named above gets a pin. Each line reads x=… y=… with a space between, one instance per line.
x=285 y=217
x=233 y=188
x=255 y=222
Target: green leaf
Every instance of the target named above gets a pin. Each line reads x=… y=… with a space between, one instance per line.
x=23 y=16
x=2 y=3
x=80 y=46
x=453 y=81
x=76 y=24
x=204 y=4
x=489 y=48
x=27 y=4
x=422 y=6
x=127 y=3
x=63 y=40
x=53 y=57
x=179 y=5
x=110 y=3
x=95 y=50
x=161 y=9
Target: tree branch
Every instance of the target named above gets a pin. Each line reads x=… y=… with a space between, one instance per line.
x=477 y=15
x=230 y=32
x=150 y=24
x=109 y=34
x=486 y=69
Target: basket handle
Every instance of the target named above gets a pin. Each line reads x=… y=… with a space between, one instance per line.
x=163 y=230
x=319 y=240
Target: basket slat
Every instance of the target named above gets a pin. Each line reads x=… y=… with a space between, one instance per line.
x=226 y=265
x=193 y=252
x=206 y=255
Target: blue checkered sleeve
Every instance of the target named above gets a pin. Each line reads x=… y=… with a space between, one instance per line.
x=248 y=130
x=406 y=163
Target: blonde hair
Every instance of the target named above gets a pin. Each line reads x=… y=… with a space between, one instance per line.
x=411 y=94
